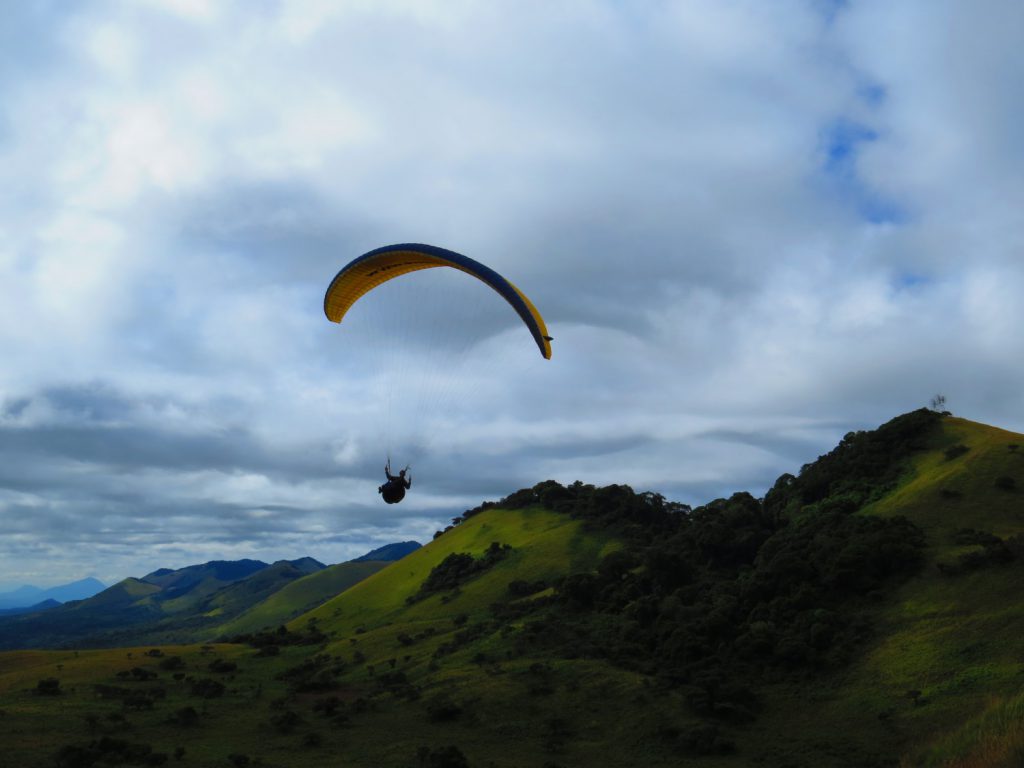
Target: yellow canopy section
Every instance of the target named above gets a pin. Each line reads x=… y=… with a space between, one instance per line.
x=371 y=269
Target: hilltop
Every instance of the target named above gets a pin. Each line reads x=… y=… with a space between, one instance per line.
x=864 y=612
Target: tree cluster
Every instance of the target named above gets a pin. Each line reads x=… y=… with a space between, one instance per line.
x=862 y=468
x=270 y=641
x=711 y=600
x=992 y=551
x=458 y=568
x=108 y=751
x=630 y=515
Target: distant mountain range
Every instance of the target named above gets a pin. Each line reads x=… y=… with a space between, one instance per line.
x=195 y=603
x=28 y=595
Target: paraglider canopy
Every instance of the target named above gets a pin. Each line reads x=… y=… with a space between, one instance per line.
x=366 y=272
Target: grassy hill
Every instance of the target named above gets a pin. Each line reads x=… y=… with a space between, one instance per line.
x=942 y=682
x=299 y=596
x=506 y=662
x=545 y=545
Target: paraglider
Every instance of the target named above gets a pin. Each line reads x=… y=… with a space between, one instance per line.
x=393 y=491
x=367 y=272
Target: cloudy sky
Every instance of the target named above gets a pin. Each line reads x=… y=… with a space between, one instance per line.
x=751 y=227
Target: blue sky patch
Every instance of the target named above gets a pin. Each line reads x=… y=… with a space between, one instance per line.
x=909 y=281
x=842 y=142
x=872 y=94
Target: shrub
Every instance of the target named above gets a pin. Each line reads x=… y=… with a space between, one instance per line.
x=107 y=692
x=442 y=757
x=991 y=554
x=312 y=739
x=186 y=717
x=521 y=588
x=108 y=751
x=285 y=722
x=48 y=686
x=705 y=740
x=138 y=674
x=207 y=688
x=138 y=702
x=955 y=450
x=966 y=536
x=442 y=709
x=327 y=706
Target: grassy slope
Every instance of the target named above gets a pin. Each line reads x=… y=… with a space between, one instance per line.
x=958 y=640
x=546 y=545
x=504 y=724
x=224 y=613
x=34 y=727
x=299 y=596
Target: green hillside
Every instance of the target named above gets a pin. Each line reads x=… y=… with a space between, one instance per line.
x=240 y=595
x=940 y=682
x=299 y=596
x=183 y=590
x=866 y=612
x=202 y=612
x=127 y=592
x=943 y=682
x=545 y=545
